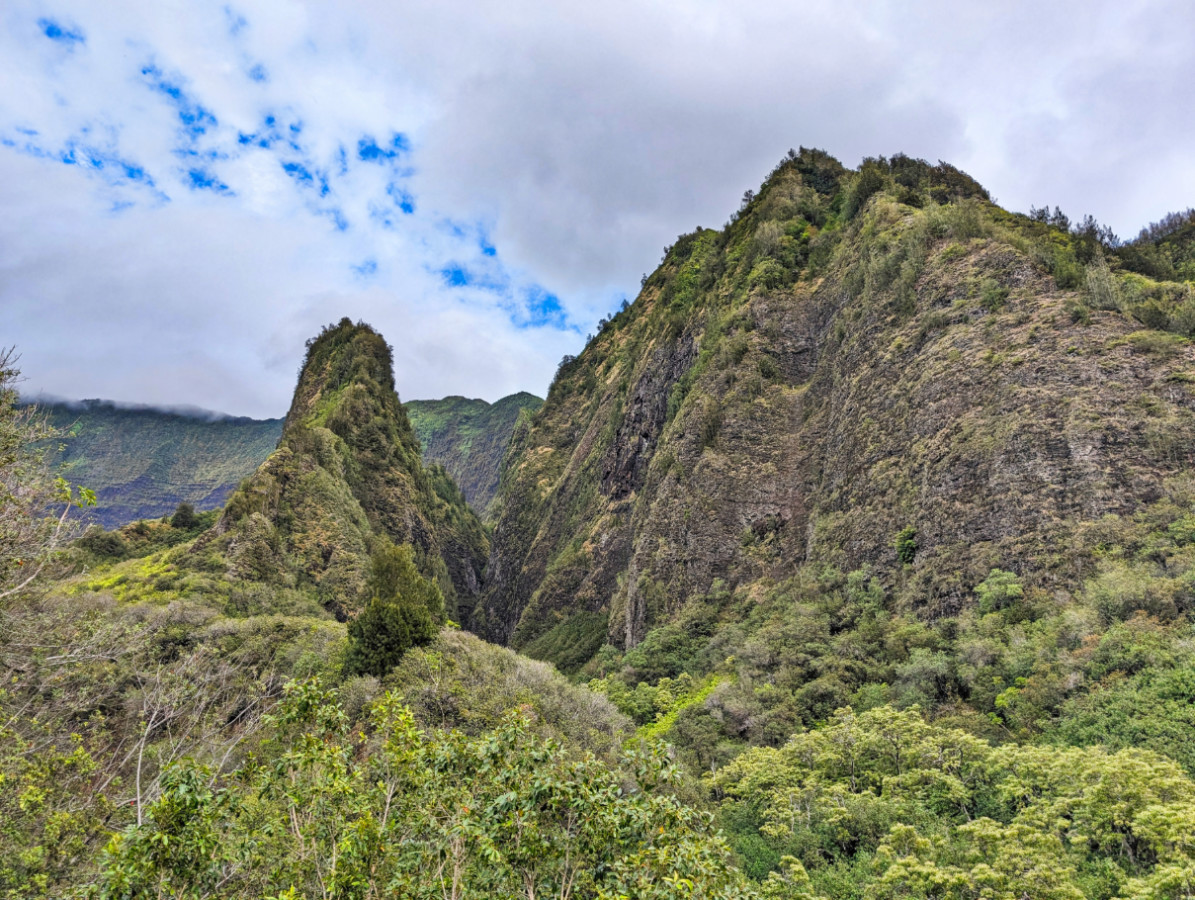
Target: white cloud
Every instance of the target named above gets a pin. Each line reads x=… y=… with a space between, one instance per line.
x=577 y=139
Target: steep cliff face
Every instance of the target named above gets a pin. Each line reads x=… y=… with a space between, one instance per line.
x=347 y=469
x=469 y=438
x=877 y=368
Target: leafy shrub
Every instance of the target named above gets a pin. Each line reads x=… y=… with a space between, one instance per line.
x=665 y=652
x=1102 y=290
x=964 y=220
x=418 y=814
x=184 y=517
x=383 y=632
x=992 y=294
x=998 y=591
x=401 y=613
x=459 y=681
x=906 y=545
x=767 y=274
x=104 y=543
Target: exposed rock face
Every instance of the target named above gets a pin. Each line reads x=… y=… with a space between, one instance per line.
x=801 y=386
x=347 y=470
x=469 y=439
x=624 y=470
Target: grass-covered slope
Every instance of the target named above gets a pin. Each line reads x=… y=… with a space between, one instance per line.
x=877 y=368
x=142 y=463
x=469 y=438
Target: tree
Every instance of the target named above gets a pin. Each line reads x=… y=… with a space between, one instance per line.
x=34 y=506
x=184 y=517
x=906 y=545
x=869 y=181
x=402 y=611
x=999 y=590
x=392 y=811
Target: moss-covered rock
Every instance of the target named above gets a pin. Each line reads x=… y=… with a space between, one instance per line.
x=844 y=362
x=346 y=472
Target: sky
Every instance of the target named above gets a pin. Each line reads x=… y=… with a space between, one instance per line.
x=190 y=190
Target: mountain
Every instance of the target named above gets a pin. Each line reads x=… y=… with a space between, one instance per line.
x=143 y=462
x=300 y=531
x=348 y=468
x=877 y=505
x=469 y=438
x=878 y=371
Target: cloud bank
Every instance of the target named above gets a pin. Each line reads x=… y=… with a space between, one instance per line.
x=191 y=191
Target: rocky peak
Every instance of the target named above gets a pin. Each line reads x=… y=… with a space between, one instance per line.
x=855 y=356
x=347 y=469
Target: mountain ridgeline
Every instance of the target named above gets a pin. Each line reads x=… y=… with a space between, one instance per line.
x=875 y=370
x=143 y=462
x=469 y=438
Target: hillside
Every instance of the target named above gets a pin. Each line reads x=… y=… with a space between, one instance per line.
x=346 y=473
x=878 y=370
x=143 y=462
x=469 y=438
x=876 y=505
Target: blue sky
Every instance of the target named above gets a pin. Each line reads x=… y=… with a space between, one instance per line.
x=190 y=191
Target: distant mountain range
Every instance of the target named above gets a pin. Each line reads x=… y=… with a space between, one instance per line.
x=142 y=461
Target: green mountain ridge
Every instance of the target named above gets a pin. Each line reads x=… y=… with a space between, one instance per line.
x=469 y=438
x=142 y=462
x=346 y=475
x=348 y=468
x=855 y=357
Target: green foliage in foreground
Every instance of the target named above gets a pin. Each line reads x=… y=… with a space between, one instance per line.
x=400 y=812
x=935 y=812
x=460 y=682
x=35 y=507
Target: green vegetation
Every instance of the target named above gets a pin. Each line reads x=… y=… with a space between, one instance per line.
x=401 y=811
x=401 y=613
x=893 y=806
x=906 y=545
x=35 y=508
x=853 y=353
x=876 y=505
x=469 y=438
x=143 y=462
